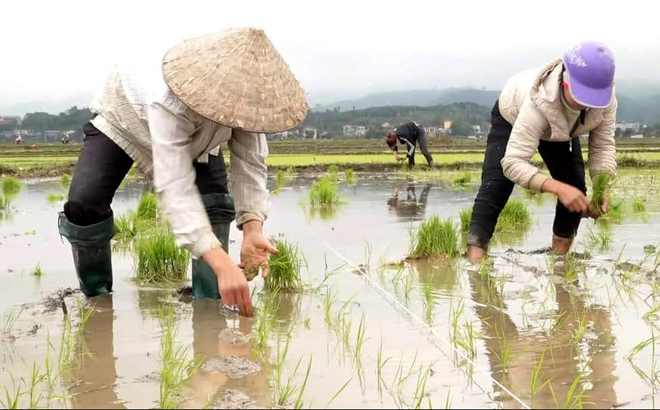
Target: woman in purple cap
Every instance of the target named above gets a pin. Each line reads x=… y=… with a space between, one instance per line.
x=547 y=110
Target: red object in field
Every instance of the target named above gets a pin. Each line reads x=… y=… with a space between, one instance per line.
x=33 y=147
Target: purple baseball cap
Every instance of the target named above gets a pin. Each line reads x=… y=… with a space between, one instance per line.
x=590 y=67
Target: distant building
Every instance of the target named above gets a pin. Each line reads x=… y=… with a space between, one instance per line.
x=432 y=131
x=628 y=126
x=310 y=133
x=637 y=137
x=448 y=124
x=386 y=125
x=355 y=130
x=476 y=129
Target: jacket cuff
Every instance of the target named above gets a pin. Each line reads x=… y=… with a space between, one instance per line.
x=243 y=217
x=206 y=242
x=537 y=181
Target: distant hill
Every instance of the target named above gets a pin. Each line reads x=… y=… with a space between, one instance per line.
x=50 y=107
x=636 y=103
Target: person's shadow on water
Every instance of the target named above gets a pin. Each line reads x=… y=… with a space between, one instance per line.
x=411 y=207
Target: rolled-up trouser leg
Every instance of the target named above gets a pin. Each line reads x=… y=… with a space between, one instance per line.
x=423 y=146
x=495 y=188
x=211 y=180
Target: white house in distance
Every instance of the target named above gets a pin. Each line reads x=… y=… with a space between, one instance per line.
x=635 y=126
x=355 y=130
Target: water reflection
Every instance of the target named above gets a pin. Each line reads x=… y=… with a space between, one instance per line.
x=96 y=370
x=411 y=207
x=512 y=352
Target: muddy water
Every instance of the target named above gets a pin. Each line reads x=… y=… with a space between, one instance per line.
x=521 y=309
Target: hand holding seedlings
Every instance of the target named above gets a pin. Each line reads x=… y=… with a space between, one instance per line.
x=234 y=289
x=255 y=250
x=571 y=197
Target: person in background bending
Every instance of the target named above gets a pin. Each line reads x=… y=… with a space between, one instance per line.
x=409 y=134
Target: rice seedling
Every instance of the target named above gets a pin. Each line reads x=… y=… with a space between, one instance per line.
x=574 y=395
x=428 y=301
x=285 y=268
x=535 y=385
x=37 y=272
x=157 y=259
x=65 y=180
x=12 y=398
x=66 y=353
x=328 y=301
x=280 y=180
x=333 y=171
x=34 y=396
x=464 y=179
x=265 y=321
x=420 y=389
x=148 y=206
x=133 y=172
x=466 y=218
x=126 y=226
x=601 y=237
x=578 y=333
x=10 y=187
x=505 y=352
x=359 y=341
x=514 y=216
x=298 y=404
x=4 y=205
x=284 y=390
x=408 y=287
x=324 y=192
x=380 y=364
x=54 y=197
x=601 y=187
x=349 y=176
x=338 y=393
x=448 y=400
x=638 y=205
x=434 y=238
x=176 y=369
x=9 y=320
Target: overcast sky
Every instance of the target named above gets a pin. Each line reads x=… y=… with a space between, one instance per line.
x=53 y=50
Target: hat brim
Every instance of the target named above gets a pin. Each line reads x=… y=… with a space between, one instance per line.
x=590 y=97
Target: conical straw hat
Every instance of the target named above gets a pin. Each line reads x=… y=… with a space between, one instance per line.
x=238 y=79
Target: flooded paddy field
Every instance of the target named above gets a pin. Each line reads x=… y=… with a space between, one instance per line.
x=369 y=329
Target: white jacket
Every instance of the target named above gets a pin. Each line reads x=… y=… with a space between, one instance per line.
x=531 y=102
x=163 y=136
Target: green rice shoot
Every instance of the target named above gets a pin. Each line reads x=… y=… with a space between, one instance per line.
x=158 y=260
x=65 y=180
x=37 y=272
x=601 y=186
x=324 y=192
x=126 y=226
x=466 y=218
x=10 y=187
x=514 y=216
x=349 y=176
x=280 y=179
x=54 y=197
x=638 y=205
x=285 y=268
x=435 y=237
x=464 y=179
x=148 y=206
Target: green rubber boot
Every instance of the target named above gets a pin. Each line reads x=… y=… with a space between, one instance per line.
x=92 y=255
x=220 y=209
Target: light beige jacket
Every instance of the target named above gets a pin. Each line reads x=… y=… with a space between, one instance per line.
x=531 y=101
x=163 y=136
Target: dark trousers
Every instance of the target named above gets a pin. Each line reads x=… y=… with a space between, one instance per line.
x=423 y=146
x=103 y=165
x=564 y=163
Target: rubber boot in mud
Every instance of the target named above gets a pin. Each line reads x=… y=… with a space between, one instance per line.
x=220 y=209
x=92 y=254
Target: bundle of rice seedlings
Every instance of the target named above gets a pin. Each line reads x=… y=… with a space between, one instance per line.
x=157 y=259
x=148 y=206
x=514 y=216
x=466 y=218
x=464 y=179
x=435 y=237
x=349 y=176
x=324 y=192
x=285 y=268
x=601 y=186
x=10 y=187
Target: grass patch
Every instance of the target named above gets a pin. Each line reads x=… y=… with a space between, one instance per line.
x=349 y=176
x=37 y=271
x=176 y=369
x=514 y=216
x=65 y=180
x=464 y=179
x=435 y=237
x=158 y=259
x=639 y=205
x=285 y=268
x=466 y=218
x=148 y=206
x=10 y=187
x=54 y=197
x=324 y=192
x=126 y=226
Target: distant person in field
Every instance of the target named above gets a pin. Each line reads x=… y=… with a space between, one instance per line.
x=546 y=110
x=171 y=117
x=409 y=135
